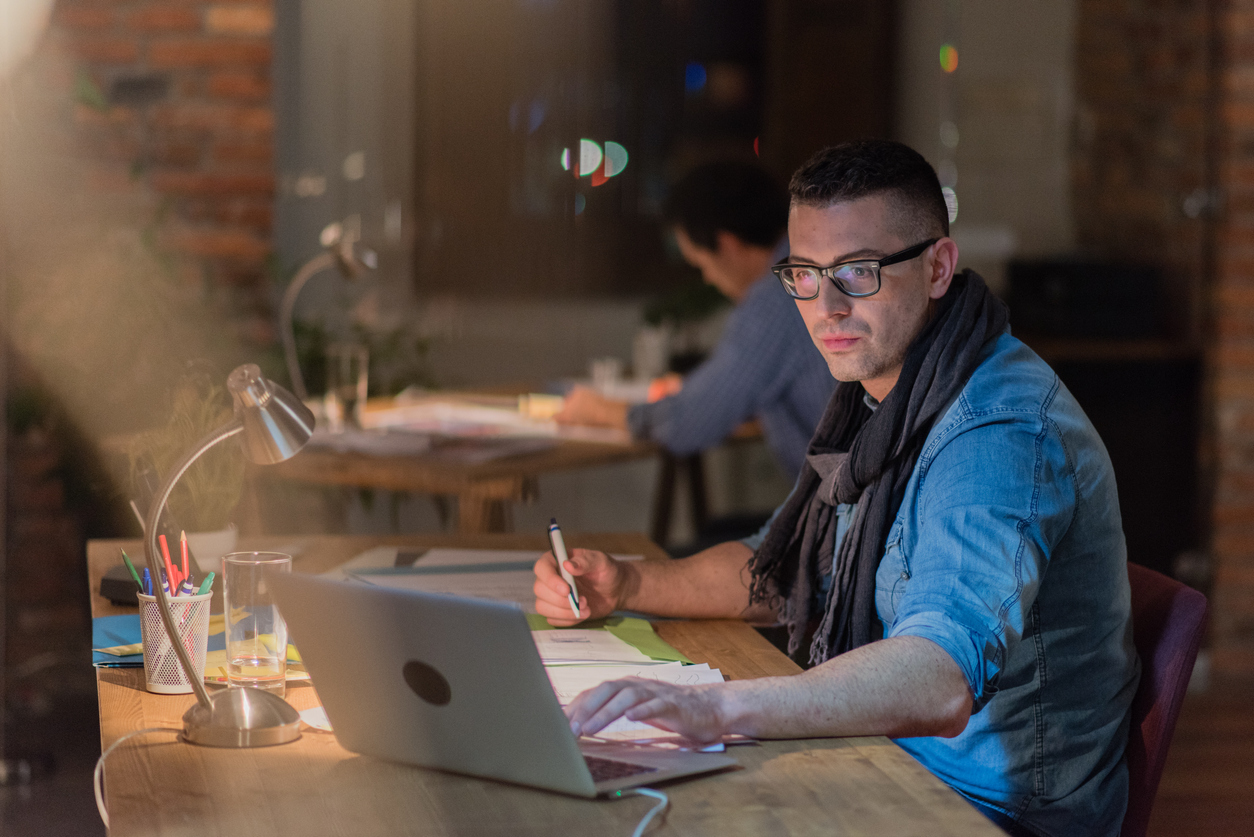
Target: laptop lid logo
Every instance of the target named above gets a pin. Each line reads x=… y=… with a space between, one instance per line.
x=427 y=683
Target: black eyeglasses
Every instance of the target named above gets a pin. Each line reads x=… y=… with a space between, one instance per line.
x=860 y=277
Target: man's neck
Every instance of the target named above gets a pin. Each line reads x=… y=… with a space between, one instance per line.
x=754 y=262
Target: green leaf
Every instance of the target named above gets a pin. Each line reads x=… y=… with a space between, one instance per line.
x=87 y=92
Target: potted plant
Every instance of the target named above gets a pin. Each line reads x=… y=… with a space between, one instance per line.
x=204 y=500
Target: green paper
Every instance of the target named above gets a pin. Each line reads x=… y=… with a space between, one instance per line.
x=631 y=630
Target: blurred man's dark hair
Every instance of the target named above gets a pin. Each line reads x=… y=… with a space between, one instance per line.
x=741 y=198
x=854 y=170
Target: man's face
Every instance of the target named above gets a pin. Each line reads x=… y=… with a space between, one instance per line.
x=718 y=267
x=864 y=339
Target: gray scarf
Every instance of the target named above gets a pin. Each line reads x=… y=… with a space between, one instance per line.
x=864 y=457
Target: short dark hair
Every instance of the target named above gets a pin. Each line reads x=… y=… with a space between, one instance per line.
x=854 y=170
x=740 y=198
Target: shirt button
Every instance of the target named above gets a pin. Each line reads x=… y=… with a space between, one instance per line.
x=905 y=576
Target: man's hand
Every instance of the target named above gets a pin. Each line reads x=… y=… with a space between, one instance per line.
x=587 y=406
x=601 y=581
x=694 y=712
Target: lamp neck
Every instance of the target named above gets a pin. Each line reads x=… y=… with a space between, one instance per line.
x=287 y=307
x=197 y=679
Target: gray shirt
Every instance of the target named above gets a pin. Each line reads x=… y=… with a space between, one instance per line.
x=765 y=366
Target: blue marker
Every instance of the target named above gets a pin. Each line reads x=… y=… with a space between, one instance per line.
x=147 y=582
x=185 y=589
x=559 y=552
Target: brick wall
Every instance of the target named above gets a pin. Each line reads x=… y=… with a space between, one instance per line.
x=1166 y=112
x=1139 y=173
x=1232 y=349
x=173 y=100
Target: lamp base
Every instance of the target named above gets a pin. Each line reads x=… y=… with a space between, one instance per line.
x=240 y=718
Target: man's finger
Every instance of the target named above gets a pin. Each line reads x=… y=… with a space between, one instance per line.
x=547 y=592
x=578 y=561
x=604 y=707
x=590 y=700
x=547 y=576
x=653 y=711
x=559 y=615
x=631 y=694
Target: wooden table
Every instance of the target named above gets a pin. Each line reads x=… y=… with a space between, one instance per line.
x=483 y=491
x=157 y=785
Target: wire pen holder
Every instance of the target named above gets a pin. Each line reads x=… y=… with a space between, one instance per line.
x=163 y=673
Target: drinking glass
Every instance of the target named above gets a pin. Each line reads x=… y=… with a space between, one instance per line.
x=256 y=636
x=347 y=383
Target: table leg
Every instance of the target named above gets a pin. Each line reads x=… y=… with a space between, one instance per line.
x=663 y=500
x=476 y=515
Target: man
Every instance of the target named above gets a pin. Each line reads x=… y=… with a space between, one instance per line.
x=952 y=552
x=728 y=220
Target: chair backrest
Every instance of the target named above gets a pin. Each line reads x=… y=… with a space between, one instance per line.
x=1168 y=619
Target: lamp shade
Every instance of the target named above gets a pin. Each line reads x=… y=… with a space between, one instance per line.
x=276 y=424
x=352 y=260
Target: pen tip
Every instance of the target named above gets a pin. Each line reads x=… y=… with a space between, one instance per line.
x=552 y=521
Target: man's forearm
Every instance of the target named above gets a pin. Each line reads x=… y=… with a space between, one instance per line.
x=900 y=687
x=713 y=584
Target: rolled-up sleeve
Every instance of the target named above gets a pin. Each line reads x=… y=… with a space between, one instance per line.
x=995 y=497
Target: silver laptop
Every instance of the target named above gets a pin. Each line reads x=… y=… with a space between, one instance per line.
x=455 y=684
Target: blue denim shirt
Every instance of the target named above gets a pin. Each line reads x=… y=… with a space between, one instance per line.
x=1008 y=553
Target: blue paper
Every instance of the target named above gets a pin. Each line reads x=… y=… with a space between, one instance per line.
x=110 y=631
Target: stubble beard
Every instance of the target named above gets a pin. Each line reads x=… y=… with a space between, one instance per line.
x=861 y=363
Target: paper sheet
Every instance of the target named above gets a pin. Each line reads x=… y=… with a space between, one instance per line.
x=569 y=681
x=316 y=717
x=456 y=417
x=582 y=647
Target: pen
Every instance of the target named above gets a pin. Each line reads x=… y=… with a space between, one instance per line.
x=131 y=567
x=169 y=566
x=185 y=587
x=139 y=517
x=147 y=583
x=205 y=585
x=559 y=552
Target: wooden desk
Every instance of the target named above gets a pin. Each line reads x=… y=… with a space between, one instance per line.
x=157 y=785
x=482 y=491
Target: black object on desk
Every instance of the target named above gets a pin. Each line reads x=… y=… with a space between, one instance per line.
x=118 y=586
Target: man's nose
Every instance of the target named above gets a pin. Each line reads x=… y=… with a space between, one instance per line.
x=831 y=302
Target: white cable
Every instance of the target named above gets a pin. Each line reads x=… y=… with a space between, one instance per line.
x=662 y=799
x=97 y=779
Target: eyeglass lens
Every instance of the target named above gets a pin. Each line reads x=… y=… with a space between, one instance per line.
x=856 y=278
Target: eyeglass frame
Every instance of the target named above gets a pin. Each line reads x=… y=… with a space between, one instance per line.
x=911 y=252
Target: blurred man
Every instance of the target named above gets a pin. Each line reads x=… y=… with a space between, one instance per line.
x=729 y=221
x=952 y=555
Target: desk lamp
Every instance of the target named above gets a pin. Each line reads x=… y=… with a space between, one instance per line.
x=339 y=251
x=273 y=425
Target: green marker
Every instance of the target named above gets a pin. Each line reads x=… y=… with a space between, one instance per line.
x=205 y=585
x=131 y=567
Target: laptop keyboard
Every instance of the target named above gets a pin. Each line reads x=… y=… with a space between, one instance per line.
x=603 y=770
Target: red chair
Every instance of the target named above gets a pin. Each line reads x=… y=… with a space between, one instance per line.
x=1167 y=623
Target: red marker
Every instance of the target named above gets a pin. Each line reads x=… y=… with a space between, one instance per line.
x=169 y=565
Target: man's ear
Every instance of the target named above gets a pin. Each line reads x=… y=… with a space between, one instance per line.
x=727 y=244
x=942 y=264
